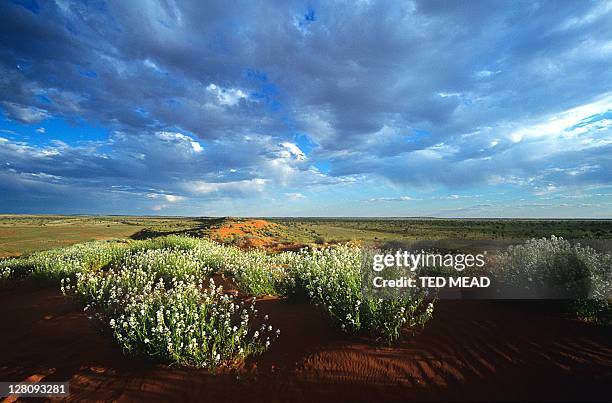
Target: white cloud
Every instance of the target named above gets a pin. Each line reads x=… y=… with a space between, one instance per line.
x=600 y=10
x=391 y=199
x=226 y=96
x=27 y=114
x=486 y=73
x=295 y=196
x=544 y=190
x=196 y=147
x=292 y=150
x=168 y=197
x=173 y=198
x=151 y=64
x=40 y=130
x=449 y=94
x=180 y=138
x=565 y=123
x=243 y=187
x=457 y=197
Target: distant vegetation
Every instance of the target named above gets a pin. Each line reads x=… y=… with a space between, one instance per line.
x=397 y=229
x=21 y=234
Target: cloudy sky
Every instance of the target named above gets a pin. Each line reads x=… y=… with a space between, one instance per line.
x=358 y=108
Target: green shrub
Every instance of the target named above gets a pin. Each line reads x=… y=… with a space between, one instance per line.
x=256 y=273
x=56 y=264
x=332 y=279
x=556 y=268
x=190 y=325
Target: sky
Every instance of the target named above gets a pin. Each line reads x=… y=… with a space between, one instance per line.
x=291 y=108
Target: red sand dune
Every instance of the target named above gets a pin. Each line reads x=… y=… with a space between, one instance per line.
x=471 y=350
x=250 y=237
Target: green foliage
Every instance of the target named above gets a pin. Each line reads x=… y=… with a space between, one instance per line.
x=185 y=323
x=598 y=311
x=333 y=280
x=56 y=264
x=255 y=272
x=157 y=305
x=544 y=266
x=190 y=325
x=307 y=230
x=151 y=293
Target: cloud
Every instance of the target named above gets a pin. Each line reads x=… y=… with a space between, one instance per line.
x=414 y=97
x=226 y=96
x=292 y=151
x=391 y=199
x=236 y=188
x=294 y=196
x=24 y=113
x=173 y=198
x=571 y=122
x=457 y=197
x=168 y=197
x=179 y=138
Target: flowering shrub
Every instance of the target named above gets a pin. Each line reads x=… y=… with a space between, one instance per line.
x=168 y=264
x=5 y=272
x=256 y=273
x=543 y=265
x=56 y=264
x=555 y=267
x=180 y=321
x=332 y=279
x=190 y=325
x=152 y=294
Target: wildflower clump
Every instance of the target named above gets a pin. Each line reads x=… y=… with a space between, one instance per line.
x=556 y=268
x=333 y=281
x=157 y=305
x=191 y=325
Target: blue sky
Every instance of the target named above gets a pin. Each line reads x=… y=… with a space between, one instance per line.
x=360 y=108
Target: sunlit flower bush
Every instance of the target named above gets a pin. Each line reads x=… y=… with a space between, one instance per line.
x=167 y=263
x=177 y=320
x=333 y=280
x=190 y=325
x=256 y=273
x=5 y=272
x=540 y=265
x=56 y=264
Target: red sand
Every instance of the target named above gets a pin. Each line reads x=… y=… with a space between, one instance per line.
x=471 y=350
x=250 y=237
x=240 y=228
